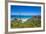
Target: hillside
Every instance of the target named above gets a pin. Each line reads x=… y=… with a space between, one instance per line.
x=35 y=21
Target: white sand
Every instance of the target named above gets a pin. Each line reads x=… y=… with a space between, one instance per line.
x=23 y=20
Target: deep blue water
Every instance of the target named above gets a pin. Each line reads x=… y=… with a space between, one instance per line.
x=20 y=16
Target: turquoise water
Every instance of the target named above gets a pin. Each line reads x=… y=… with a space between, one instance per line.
x=21 y=16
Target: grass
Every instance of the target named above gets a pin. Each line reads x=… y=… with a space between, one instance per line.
x=31 y=23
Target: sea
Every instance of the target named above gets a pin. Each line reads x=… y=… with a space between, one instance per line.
x=22 y=17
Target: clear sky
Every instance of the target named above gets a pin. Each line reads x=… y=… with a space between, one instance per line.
x=25 y=10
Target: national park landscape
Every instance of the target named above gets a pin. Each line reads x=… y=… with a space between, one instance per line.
x=25 y=16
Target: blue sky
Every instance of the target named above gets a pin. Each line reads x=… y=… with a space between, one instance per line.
x=25 y=10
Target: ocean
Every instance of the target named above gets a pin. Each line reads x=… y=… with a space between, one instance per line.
x=21 y=16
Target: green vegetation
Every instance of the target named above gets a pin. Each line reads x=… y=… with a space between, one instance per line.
x=30 y=23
